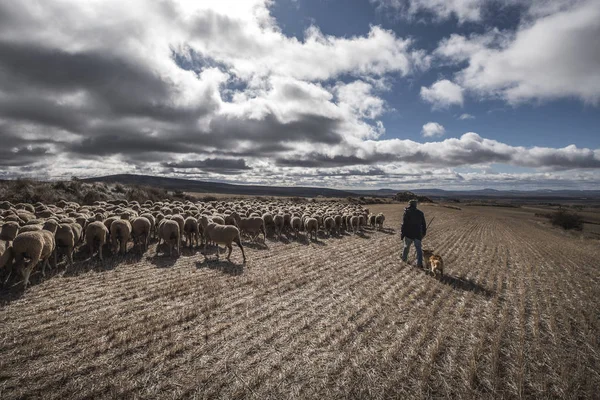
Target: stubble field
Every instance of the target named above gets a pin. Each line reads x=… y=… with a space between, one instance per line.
x=516 y=317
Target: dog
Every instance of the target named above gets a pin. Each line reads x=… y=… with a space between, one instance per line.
x=434 y=262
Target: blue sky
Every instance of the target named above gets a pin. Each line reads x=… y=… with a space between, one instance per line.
x=460 y=94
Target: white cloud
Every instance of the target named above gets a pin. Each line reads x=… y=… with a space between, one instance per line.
x=554 y=56
x=443 y=94
x=432 y=129
x=357 y=97
x=468 y=150
x=466 y=116
x=252 y=50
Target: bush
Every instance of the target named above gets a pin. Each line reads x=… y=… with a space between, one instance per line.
x=208 y=199
x=119 y=188
x=94 y=195
x=297 y=199
x=60 y=185
x=566 y=220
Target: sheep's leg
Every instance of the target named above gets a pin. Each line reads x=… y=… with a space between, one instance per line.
x=44 y=267
x=230 y=249
x=100 y=251
x=239 y=243
x=70 y=256
x=26 y=272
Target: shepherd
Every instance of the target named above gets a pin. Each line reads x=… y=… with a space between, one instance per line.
x=413 y=230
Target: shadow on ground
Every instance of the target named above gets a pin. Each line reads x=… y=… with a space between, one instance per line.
x=259 y=245
x=163 y=260
x=224 y=266
x=465 y=284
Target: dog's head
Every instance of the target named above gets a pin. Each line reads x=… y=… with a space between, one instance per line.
x=427 y=253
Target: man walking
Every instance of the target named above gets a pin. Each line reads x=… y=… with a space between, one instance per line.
x=413 y=230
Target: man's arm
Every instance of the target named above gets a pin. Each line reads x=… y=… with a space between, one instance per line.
x=402 y=228
x=424 y=224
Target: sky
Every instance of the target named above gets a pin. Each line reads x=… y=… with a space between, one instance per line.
x=453 y=94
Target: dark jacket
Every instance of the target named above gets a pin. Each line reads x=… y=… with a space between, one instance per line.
x=413 y=224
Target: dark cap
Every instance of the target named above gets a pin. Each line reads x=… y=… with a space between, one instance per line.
x=413 y=203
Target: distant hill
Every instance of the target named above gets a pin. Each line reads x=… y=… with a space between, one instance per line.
x=187 y=185
x=545 y=194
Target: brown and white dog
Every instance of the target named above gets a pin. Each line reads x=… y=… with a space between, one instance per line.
x=434 y=262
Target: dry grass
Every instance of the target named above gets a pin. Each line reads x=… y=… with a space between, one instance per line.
x=343 y=318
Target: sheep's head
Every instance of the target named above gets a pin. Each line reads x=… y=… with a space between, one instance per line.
x=204 y=221
x=7 y=257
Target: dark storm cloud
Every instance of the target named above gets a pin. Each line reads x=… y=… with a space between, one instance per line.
x=457 y=157
x=120 y=143
x=219 y=165
x=22 y=156
x=307 y=127
x=318 y=160
x=260 y=137
x=117 y=86
x=29 y=108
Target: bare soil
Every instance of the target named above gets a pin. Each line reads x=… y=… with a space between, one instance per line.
x=516 y=317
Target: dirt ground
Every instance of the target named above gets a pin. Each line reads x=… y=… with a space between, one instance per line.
x=516 y=317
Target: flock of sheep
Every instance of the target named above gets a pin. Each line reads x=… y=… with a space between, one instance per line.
x=32 y=234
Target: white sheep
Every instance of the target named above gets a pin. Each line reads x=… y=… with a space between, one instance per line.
x=296 y=224
x=329 y=223
x=66 y=237
x=252 y=226
x=9 y=232
x=379 y=220
x=192 y=231
x=141 y=228
x=222 y=234
x=354 y=223
x=96 y=233
x=168 y=230
x=311 y=225
x=120 y=232
x=31 y=245
x=279 y=223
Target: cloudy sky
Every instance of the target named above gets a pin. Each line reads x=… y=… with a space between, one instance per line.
x=362 y=93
